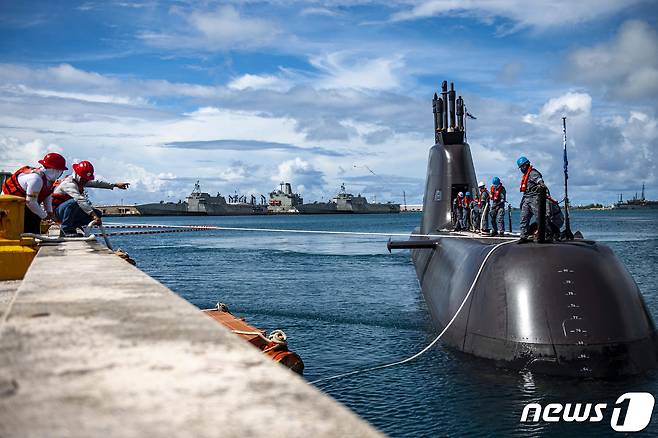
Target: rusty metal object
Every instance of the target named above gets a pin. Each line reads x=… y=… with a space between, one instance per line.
x=274 y=347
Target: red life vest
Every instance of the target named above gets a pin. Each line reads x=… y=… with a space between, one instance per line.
x=480 y=197
x=496 y=192
x=13 y=187
x=524 y=180
x=460 y=202
x=59 y=198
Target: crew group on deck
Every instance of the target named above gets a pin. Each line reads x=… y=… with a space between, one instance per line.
x=473 y=213
x=51 y=199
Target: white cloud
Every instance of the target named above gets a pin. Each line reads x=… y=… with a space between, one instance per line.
x=66 y=81
x=142 y=179
x=301 y=174
x=87 y=97
x=343 y=70
x=258 y=82
x=540 y=14
x=626 y=66
x=319 y=11
x=221 y=29
x=569 y=104
x=15 y=153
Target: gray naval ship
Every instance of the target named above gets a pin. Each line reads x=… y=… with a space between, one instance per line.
x=283 y=200
x=345 y=202
x=200 y=203
x=567 y=307
x=636 y=203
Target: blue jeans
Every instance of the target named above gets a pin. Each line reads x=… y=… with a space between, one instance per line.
x=72 y=216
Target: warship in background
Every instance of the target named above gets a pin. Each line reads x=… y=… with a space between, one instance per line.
x=635 y=203
x=200 y=203
x=345 y=202
x=284 y=201
x=281 y=201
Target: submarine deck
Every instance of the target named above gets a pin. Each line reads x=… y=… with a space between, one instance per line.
x=475 y=236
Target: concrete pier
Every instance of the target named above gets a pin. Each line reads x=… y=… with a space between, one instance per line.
x=94 y=347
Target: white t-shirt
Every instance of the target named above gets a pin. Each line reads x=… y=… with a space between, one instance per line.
x=32 y=184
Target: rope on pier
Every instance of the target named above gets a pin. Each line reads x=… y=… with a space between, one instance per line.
x=431 y=344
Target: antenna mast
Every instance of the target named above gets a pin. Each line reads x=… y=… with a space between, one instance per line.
x=567 y=228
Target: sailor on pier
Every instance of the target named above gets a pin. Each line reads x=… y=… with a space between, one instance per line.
x=70 y=202
x=36 y=186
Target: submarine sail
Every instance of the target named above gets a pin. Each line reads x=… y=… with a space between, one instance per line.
x=563 y=308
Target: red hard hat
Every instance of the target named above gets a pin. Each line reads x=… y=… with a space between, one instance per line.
x=85 y=170
x=53 y=160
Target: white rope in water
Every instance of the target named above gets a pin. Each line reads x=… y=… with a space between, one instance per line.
x=431 y=344
x=453 y=235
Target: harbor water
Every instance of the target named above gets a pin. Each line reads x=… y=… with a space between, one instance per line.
x=346 y=304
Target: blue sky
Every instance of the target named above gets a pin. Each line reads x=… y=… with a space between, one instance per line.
x=244 y=94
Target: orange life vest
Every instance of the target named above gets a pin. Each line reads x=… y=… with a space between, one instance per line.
x=13 y=187
x=59 y=198
x=496 y=192
x=467 y=202
x=524 y=180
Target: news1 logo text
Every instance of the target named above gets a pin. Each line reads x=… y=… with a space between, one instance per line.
x=631 y=412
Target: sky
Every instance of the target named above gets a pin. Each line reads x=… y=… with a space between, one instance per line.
x=242 y=95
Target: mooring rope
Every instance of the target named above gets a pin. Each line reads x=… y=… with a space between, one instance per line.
x=454 y=235
x=431 y=344
x=142 y=226
x=136 y=233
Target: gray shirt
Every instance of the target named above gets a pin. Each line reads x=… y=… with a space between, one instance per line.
x=535 y=180
x=69 y=186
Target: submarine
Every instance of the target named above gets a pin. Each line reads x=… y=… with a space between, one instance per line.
x=564 y=308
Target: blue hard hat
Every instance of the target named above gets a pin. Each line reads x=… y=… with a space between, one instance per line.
x=521 y=161
x=495 y=181
x=468 y=193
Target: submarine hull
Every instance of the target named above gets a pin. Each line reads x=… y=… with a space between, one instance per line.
x=568 y=308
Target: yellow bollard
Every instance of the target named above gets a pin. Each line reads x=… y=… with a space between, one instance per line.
x=16 y=253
